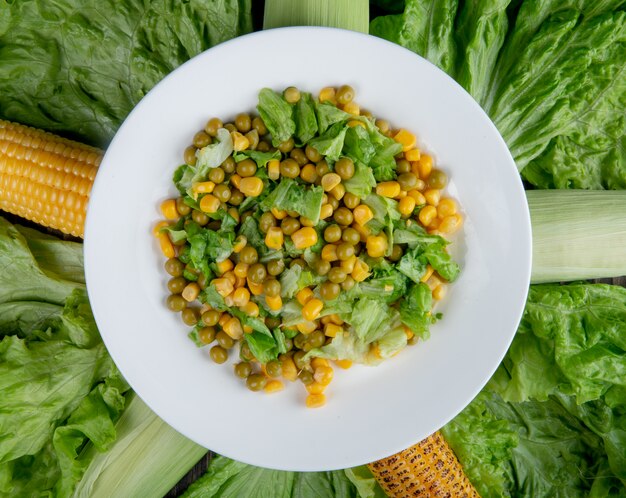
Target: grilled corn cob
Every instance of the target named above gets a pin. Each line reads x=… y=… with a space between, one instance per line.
x=45 y=178
x=428 y=469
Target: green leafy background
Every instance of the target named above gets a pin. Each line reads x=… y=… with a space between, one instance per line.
x=550 y=73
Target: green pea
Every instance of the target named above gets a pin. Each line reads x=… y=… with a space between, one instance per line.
x=218 y=354
x=174 y=267
x=176 y=285
x=257 y=273
x=275 y=267
x=176 y=303
x=243 y=369
x=274 y=368
x=224 y=340
x=256 y=382
x=189 y=316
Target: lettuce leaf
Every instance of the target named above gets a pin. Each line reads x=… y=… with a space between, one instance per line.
x=291 y=196
x=277 y=115
x=305 y=118
x=60 y=388
x=556 y=403
x=78 y=68
x=550 y=74
x=227 y=478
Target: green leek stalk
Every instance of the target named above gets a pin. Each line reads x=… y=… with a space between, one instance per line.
x=346 y=14
x=147 y=459
x=577 y=234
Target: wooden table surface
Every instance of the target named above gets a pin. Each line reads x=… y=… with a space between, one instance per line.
x=200 y=468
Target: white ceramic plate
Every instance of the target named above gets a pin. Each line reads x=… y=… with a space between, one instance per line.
x=371 y=412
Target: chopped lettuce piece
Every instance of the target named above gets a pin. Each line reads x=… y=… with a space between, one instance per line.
x=330 y=143
x=415 y=309
x=295 y=278
x=260 y=158
x=211 y=156
x=441 y=261
x=291 y=196
x=392 y=343
x=362 y=182
x=358 y=146
x=304 y=116
x=413 y=263
x=371 y=319
x=263 y=347
x=277 y=115
x=327 y=115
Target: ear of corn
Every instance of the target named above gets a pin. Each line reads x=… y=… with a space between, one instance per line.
x=428 y=469
x=346 y=14
x=45 y=178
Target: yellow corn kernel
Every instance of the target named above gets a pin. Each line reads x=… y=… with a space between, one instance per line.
x=279 y=214
x=406 y=138
x=303 y=238
x=247 y=329
x=306 y=222
x=168 y=208
x=241 y=297
x=251 y=186
x=329 y=253
x=352 y=108
x=273 y=386
x=376 y=246
x=167 y=248
x=446 y=207
x=432 y=196
x=156 y=231
x=338 y=192
x=229 y=301
x=319 y=362
x=241 y=270
x=361 y=271
x=274 y=238
x=306 y=327
x=312 y=309
x=326 y=211
x=354 y=122
x=315 y=388
x=274 y=303
x=209 y=204
x=256 y=289
x=401 y=195
x=224 y=317
x=433 y=282
x=345 y=364
x=235 y=180
x=429 y=271
x=240 y=142
x=412 y=155
x=290 y=371
x=203 y=187
x=251 y=309
x=240 y=282
x=240 y=243
x=408 y=332
x=273 y=169
x=325 y=320
x=330 y=181
x=449 y=224
x=191 y=291
x=406 y=206
x=334 y=318
x=388 y=189
x=420 y=200
x=315 y=400
x=348 y=264
x=427 y=214
x=439 y=292
x=233 y=328
x=230 y=276
x=304 y=295
x=331 y=330
x=363 y=213
x=425 y=166
x=308 y=173
x=364 y=231
x=328 y=94
x=224 y=266
x=323 y=375
x=234 y=213
x=223 y=286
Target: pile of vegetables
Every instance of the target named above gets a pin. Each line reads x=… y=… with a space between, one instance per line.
x=551 y=422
